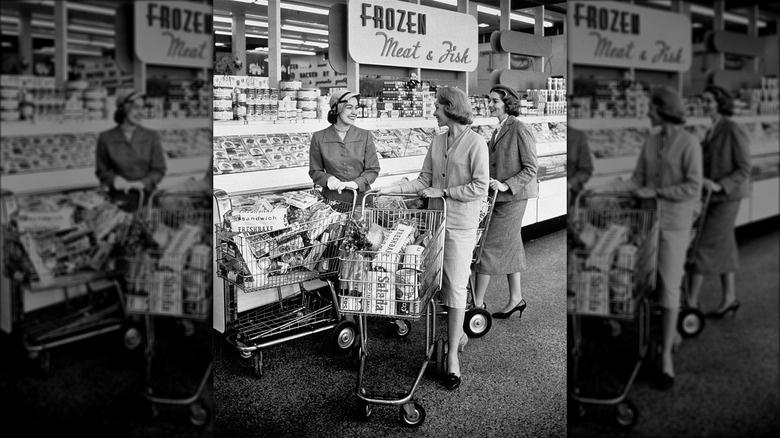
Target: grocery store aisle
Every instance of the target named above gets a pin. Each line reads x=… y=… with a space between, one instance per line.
x=514 y=377
x=727 y=377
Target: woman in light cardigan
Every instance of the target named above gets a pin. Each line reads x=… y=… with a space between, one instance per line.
x=456 y=170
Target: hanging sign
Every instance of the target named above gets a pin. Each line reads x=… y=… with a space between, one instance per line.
x=174 y=33
x=614 y=34
x=401 y=34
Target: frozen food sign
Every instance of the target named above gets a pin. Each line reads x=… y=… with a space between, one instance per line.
x=617 y=35
x=400 y=34
x=174 y=33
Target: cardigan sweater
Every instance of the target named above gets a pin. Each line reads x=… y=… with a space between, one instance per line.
x=463 y=170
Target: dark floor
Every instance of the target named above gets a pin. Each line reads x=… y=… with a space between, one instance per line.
x=94 y=387
x=727 y=382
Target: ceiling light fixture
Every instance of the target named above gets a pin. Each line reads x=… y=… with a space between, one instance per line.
x=516 y=17
x=304 y=29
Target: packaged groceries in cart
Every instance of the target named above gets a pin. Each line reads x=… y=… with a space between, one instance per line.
x=611 y=274
x=167 y=276
x=391 y=267
x=477 y=321
x=269 y=248
x=59 y=254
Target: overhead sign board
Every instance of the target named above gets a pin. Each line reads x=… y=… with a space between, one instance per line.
x=174 y=33
x=401 y=34
x=614 y=34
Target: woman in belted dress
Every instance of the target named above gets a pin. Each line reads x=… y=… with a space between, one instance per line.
x=513 y=170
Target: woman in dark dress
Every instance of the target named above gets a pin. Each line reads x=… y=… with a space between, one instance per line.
x=726 y=168
x=513 y=167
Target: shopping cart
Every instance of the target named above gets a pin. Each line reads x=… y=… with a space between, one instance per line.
x=391 y=284
x=690 y=322
x=69 y=270
x=612 y=271
x=478 y=321
x=274 y=266
x=171 y=279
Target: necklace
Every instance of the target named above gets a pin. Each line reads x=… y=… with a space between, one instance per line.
x=339 y=130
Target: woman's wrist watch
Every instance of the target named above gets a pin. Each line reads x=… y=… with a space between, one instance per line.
x=446 y=193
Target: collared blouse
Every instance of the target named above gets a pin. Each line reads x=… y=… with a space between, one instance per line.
x=139 y=159
x=352 y=159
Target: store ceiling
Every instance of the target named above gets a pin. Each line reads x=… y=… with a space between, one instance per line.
x=555 y=16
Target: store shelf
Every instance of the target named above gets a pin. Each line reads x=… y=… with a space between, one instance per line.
x=596 y=124
x=14 y=129
x=222 y=129
x=296 y=178
x=84 y=177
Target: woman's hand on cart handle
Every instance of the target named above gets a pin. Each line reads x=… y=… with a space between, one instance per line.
x=711 y=185
x=645 y=193
x=350 y=185
x=387 y=190
x=498 y=185
x=431 y=192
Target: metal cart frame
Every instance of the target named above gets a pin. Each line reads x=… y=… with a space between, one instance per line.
x=190 y=309
x=94 y=313
x=291 y=315
x=478 y=321
x=691 y=321
x=641 y=220
x=363 y=299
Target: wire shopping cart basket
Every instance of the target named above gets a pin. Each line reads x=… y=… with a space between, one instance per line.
x=65 y=255
x=397 y=284
x=273 y=266
x=612 y=271
x=170 y=279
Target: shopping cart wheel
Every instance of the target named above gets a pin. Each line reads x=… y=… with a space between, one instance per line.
x=132 y=336
x=690 y=322
x=477 y=322
x=364 y=410
x=344 y=335
x=257 y=363
x=412 y=414
x=402 y=327
x=199 y=414
x=626 y=413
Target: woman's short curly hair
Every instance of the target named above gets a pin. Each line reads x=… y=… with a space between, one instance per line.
x=510 y=99
x=456 y=104
x=722 y=98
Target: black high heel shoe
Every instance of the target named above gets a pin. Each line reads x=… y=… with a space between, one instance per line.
x=502 y=315
x=451 y=381
x=733 y=307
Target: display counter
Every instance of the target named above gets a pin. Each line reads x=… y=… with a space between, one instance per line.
x=277 y=155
